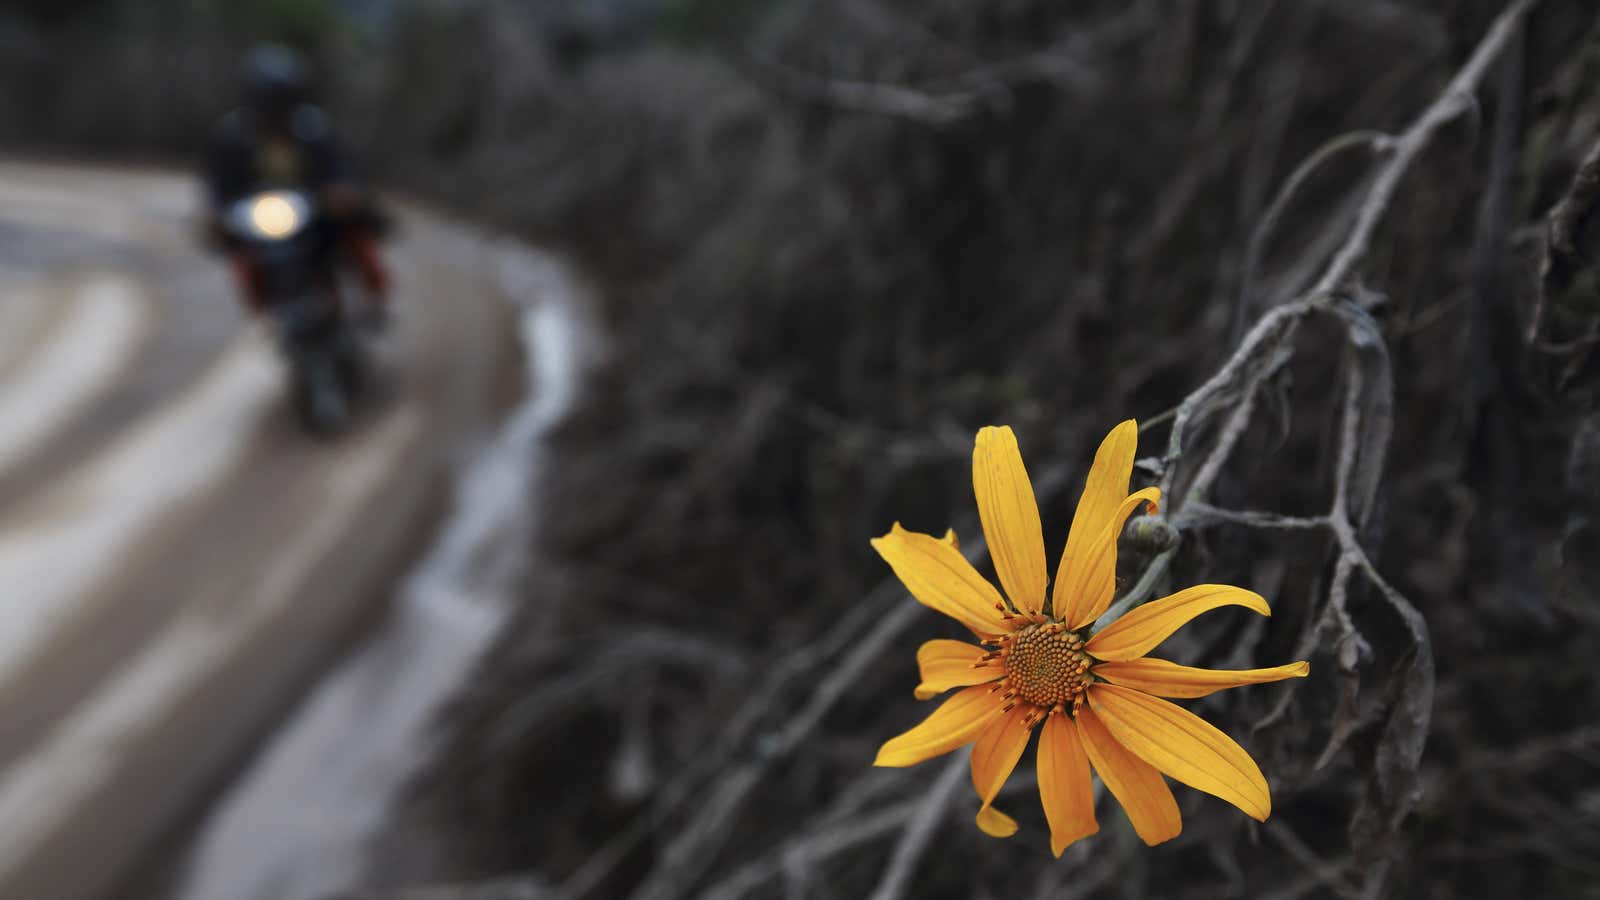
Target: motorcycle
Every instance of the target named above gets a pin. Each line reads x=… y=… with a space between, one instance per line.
x=293 y=245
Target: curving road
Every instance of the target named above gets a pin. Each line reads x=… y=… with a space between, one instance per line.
x=178 y=560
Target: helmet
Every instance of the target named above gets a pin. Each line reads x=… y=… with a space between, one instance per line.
x=274 y=79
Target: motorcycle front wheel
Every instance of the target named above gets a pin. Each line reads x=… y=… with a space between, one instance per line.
x=322 y=398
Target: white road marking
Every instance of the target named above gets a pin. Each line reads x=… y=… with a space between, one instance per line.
x=42 y=195
x=49 y=786
x=46 y=207
x=24 y=315
x=78 y=359
x=56 y=548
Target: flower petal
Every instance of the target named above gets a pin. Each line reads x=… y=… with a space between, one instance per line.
x=1168 y=679
x=941 y=578
x=1010 y=517
x=946 y=664
x=952 y=725
x=998 y=748
x=1084 y=588
x=1103 y=490
x=1184 y=746
x=995 y=823
x=1064 y=783
x=1138 y=632
x=1136 y=784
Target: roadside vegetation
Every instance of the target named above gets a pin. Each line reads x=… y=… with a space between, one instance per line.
x=1336 y=258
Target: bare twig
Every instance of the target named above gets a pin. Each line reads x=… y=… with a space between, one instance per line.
x=1456 y=97
x=1533 y=755
x=873 y=97
x=1363 y=439
x=773 y=724
x=945 y=101
x=1080 y=873
x=1376 y=141
x=914 y=839
x=1561 y=252
x=736 y=736
x=1277 y=355
x=813 y=847
x=1330 y=875
x=1416 y=26
x=685 y=858
x=1271 y=329
x=1199 y=514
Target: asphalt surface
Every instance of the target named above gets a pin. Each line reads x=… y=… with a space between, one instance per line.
x=178 y=560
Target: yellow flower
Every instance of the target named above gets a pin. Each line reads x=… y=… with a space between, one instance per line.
x=1096 y=695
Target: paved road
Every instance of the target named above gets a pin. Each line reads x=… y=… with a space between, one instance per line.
x=177 y=560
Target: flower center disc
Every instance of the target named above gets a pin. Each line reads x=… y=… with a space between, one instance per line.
x=1046 y=666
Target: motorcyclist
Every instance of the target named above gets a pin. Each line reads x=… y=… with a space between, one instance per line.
x=278 y=139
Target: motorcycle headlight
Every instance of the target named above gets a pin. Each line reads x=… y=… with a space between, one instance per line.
x=272 y=215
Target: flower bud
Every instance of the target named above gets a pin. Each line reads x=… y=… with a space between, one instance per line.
x=1152 y=534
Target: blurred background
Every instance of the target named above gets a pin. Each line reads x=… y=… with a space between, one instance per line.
x=694 y=297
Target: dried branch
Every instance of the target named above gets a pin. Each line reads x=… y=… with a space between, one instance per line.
x=1363 y=439
x=1245 y=300
x=1199 y=514
x=1330 y=875
x=1456 y=97
x=872 y=97
x=1532 y=756
x=1272 y=330
x=1242 y=371
x=738 y=736
x=686 y=857
x=811 y=848
x=942 y=102
x=919 y=830
x=695 y=816
x=1562 y=255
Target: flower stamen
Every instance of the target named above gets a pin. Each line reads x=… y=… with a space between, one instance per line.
x=1046 y=666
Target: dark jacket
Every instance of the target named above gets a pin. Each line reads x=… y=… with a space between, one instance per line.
x=244 y=157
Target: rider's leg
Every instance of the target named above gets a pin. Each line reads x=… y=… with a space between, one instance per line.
x=362 y=249
x=247 y=275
